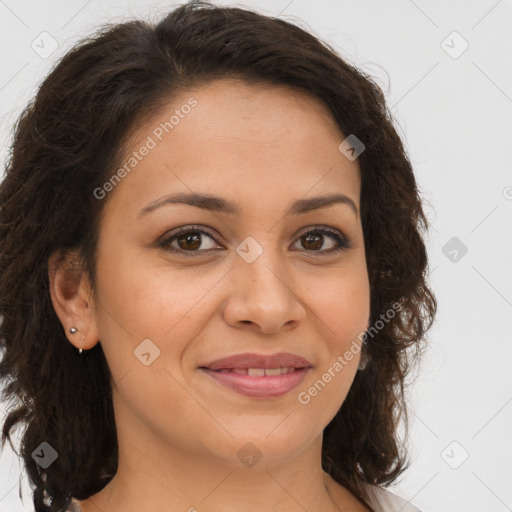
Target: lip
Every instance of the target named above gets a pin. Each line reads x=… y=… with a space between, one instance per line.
x=259 y=387
x=252 y=360
x=262 y=387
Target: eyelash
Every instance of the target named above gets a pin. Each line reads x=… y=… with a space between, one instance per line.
x=165 y=243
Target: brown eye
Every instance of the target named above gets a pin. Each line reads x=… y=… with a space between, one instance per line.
x=313 y=240
x=190 y=241
x=187 y=240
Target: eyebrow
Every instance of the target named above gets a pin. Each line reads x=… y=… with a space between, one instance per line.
x=218 y=204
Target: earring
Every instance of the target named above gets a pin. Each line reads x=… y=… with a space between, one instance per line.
x=72 y=331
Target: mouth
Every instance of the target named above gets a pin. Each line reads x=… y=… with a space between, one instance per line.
x=259 y=372
x=259 y=376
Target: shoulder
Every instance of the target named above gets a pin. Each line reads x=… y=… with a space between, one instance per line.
x=383 y=500
x=379 y=498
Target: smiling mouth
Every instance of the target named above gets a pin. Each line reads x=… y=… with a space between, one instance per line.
x=259 y=372
x=261 y=383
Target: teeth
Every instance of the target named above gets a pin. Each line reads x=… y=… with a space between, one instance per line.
x=255 y=372
x=259 y=372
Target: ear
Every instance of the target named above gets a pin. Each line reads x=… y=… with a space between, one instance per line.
x=72 y=299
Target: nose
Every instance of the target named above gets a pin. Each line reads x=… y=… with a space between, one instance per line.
x=263 y=297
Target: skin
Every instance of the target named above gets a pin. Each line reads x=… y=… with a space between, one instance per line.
x=179 y=431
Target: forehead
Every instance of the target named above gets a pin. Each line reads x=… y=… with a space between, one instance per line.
x=237 y=140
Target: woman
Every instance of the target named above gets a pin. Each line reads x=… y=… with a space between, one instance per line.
x=213 y=274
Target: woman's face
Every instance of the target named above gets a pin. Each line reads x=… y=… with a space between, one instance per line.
x=253 y=281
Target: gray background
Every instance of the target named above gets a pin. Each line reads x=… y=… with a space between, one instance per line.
x=453 y=108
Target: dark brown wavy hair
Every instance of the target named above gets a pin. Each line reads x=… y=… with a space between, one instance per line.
x=66 y=143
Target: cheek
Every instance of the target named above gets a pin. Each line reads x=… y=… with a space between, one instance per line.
x=342 y=302
x=341 y=306
x=344 y=307
x=138 y=301
x=134 y=295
